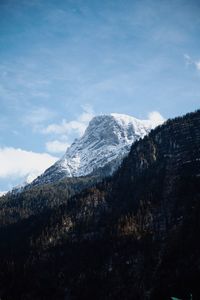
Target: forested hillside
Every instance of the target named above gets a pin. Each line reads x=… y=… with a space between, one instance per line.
x=133 y=236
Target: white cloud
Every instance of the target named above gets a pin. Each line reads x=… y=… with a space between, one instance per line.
x=56 y=146
x=65 y=127
x=18 y=163
x=76 y=126
x=156 y=118
x=190 y=61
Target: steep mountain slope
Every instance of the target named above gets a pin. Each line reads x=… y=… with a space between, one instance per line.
x=133 y=236
x=100 y=150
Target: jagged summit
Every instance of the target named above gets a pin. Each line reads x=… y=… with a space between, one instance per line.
x=119 y=126
x=106 y=141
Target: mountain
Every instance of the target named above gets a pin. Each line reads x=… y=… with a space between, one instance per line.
x=133 y=236
x=101 y=149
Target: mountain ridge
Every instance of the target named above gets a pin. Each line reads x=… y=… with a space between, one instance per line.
x=106 y=141
x=134 y=236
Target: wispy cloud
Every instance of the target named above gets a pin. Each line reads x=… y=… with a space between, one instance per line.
x=156 y=118
x=37 y=116
x=65 y=131
x=25 y=165
x=190 y=61
x=197 y=64
x=67 y=127
x=21 y=83
x=56 y=146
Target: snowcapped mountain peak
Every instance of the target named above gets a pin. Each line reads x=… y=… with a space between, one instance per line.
x=123 y=118
x=115 y=128
x=106 y=141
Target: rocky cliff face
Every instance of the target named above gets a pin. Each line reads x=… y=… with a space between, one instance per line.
x=100 y=150
x=133 y=236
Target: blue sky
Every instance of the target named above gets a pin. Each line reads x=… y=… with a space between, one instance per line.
x=61 y=62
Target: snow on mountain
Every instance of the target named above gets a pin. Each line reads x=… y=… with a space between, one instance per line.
x=3 y=193
x=106 y=141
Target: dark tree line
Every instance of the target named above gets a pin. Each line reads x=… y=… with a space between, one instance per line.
x=132 y=236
